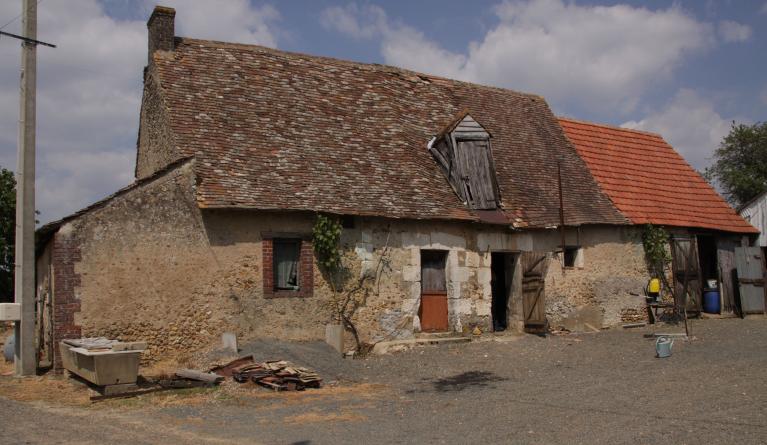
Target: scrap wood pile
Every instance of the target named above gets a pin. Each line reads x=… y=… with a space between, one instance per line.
x=278 y=375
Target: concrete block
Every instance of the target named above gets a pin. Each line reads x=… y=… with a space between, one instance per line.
x=130 y=346
x=334 y=336
x=229 y=342
x=10 y=311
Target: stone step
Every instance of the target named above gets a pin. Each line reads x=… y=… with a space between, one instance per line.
x=398 y=345
x=433 y=335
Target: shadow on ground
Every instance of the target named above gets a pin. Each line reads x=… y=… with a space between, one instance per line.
x=462 y=381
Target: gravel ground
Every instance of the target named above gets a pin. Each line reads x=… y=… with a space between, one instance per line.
x=590 y=388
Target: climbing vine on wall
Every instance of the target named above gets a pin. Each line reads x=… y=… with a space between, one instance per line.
x=325 y=238
x=655 y=242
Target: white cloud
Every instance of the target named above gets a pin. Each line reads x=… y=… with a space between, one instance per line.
x=89 y=90
x=354 y=21
x=731 y=31
x=690 y=124
x=597 y=57
x=229 y=21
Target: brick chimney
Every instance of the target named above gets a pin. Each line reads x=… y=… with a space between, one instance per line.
x=161 y=25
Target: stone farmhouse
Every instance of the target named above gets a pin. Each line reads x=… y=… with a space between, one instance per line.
x=474 y=206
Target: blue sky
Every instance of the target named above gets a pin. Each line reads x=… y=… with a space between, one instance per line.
x=685 y=69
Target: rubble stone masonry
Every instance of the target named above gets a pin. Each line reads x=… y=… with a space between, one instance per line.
x=151 y=265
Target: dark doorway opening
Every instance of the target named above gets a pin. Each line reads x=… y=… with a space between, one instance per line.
x=709 y=269
x=501 y=268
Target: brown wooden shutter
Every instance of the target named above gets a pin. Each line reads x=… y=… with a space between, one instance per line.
x=534 y=267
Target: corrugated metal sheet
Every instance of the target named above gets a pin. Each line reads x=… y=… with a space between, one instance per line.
x=755 y=212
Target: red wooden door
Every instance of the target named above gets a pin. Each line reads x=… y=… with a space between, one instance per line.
x=433 y=310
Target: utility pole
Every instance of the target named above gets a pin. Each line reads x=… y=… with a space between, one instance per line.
x=24 y=330
x=25 y=354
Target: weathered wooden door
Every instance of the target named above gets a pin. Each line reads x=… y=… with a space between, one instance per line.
x=750 y=279
x=687 y=281
x=725 y=252
x=433 y=310
x=534 y=266
x=477 y=179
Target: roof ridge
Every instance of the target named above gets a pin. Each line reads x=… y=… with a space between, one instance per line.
x=609 y=126
x=366 y=65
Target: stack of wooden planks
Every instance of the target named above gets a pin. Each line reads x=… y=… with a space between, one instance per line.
x=278 y=375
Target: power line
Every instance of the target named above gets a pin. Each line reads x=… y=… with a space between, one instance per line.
x=19 y=16
x=27 y=39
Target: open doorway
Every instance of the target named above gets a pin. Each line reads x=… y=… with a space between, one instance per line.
x=707 y=259
x=502 y=272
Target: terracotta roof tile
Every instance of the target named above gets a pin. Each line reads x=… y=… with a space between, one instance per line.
x=277 y=130
x=648 y=180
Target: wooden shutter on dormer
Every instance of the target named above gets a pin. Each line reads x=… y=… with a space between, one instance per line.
x=464 y=153
x=476 y=174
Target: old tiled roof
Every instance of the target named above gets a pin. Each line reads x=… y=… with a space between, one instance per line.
x=648 y=180
x=277 y=130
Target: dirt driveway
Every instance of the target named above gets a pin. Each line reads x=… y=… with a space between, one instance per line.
x=591 y=388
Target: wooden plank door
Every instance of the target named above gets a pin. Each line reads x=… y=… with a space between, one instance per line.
x=534 y=266
x=750 y=266
x=686 y=270
x=433 y=310
x=725 y=252
x=477 y=177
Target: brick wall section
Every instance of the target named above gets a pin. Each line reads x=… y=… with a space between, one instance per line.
x=66 y=252
x=306 y=270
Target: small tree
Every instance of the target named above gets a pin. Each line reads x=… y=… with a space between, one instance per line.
x=349 y=293
x=740 y=163
x=7 y=233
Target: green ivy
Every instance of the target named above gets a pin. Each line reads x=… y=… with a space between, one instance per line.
x=326 y=235
x=654 y=240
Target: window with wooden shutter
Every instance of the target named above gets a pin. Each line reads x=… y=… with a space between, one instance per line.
x=464 y=153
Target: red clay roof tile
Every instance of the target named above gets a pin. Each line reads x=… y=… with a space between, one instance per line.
x=648 y=181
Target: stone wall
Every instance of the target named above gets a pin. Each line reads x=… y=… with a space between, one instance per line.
x=610 y=276
x=156 y=145
x=150 y=265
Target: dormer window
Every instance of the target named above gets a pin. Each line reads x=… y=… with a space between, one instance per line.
x=463 y=151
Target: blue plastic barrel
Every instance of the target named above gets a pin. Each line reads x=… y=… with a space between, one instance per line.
x=711 y=303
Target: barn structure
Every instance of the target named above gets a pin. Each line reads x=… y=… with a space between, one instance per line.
x=468 y=205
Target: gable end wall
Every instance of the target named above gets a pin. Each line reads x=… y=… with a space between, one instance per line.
x=156 y=144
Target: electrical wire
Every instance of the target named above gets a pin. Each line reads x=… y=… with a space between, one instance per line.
x=18 y=16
